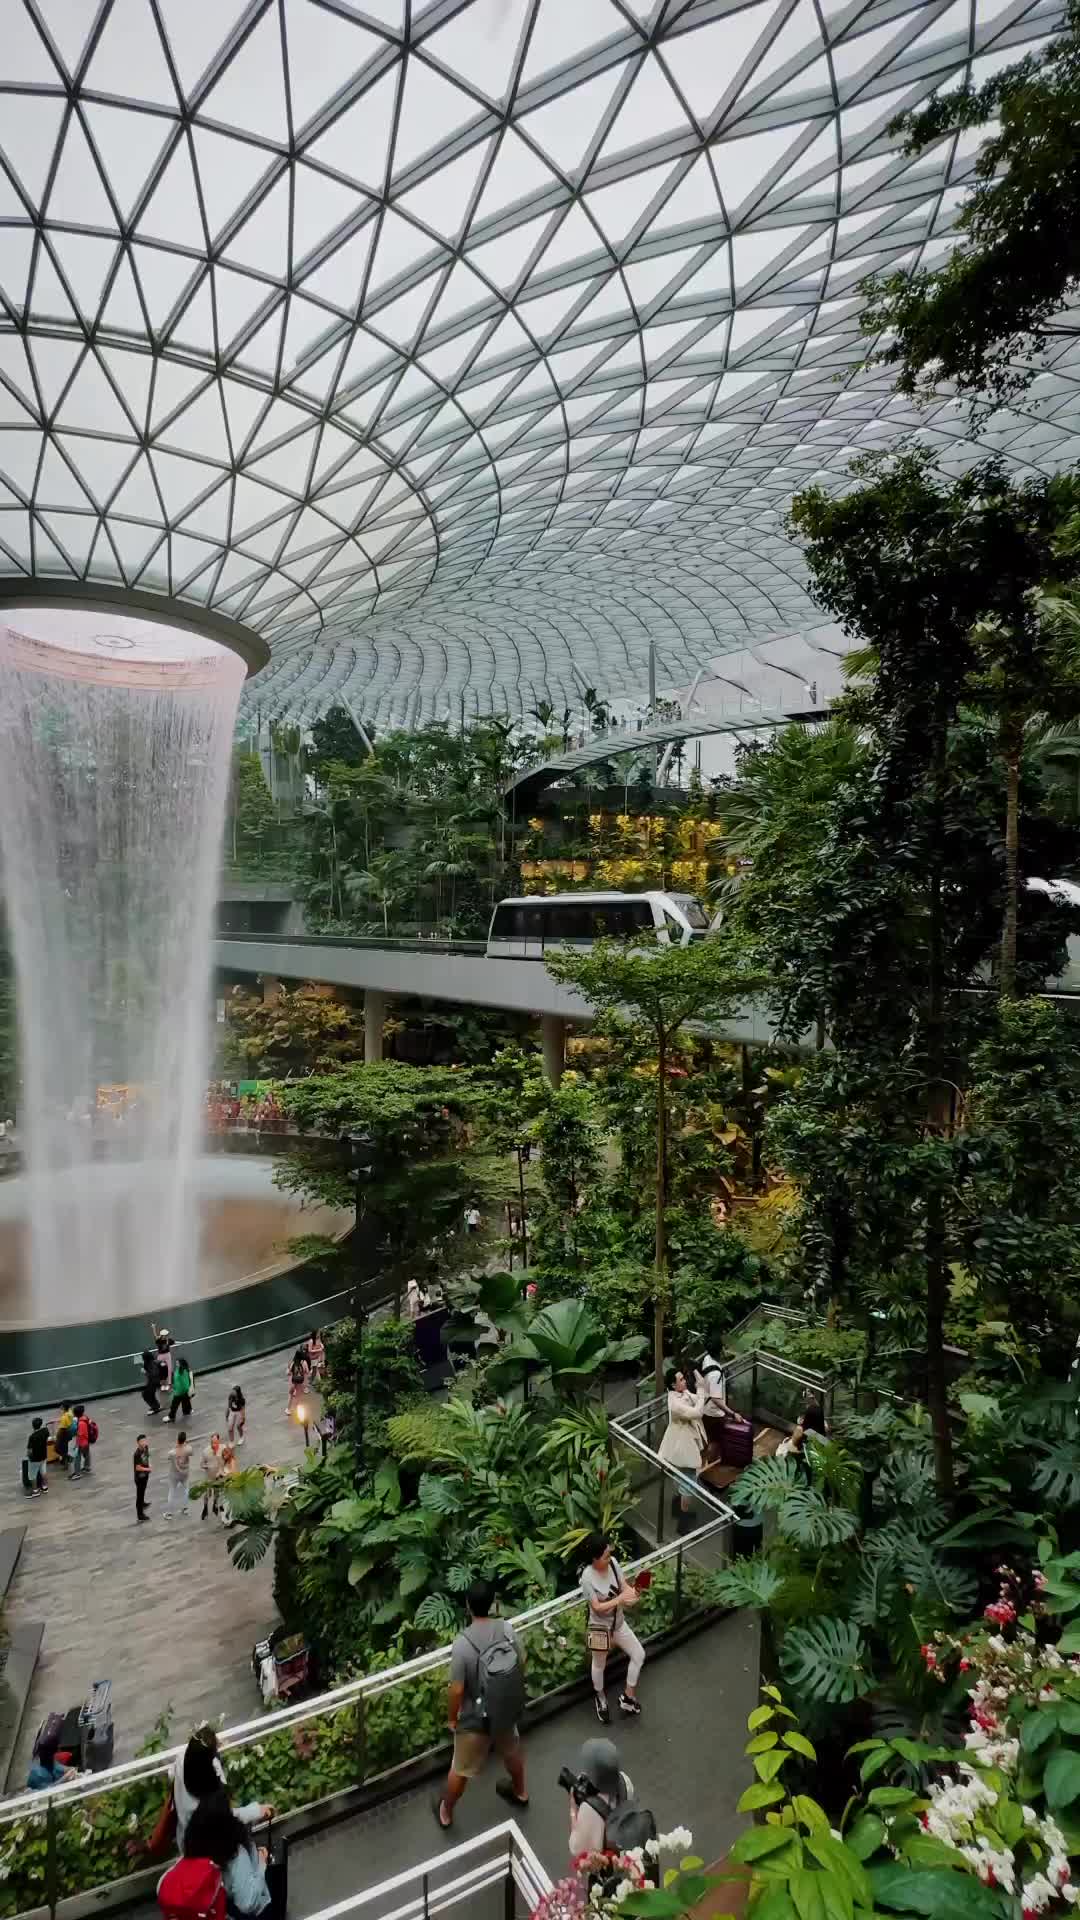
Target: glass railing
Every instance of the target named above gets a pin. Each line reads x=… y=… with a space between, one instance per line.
x=86 y=1833
x=752 y=1330
x=466 y=1875
x=90 y=1380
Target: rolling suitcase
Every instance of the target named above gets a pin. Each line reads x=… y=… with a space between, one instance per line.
x=96 y=1727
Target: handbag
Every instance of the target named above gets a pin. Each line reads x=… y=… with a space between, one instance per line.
x=598 y=1639
x=162 y=1840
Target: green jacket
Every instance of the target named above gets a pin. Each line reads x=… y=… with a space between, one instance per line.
x=181 y=1381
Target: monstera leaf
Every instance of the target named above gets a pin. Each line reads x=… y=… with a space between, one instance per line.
x=826 y=1660
x=567 y=1340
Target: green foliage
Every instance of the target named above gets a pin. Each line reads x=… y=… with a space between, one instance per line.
x=976 y=321
x=566 y=1340
x=302 y=1029
x=250 y=808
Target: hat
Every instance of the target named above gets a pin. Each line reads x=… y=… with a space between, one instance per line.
x=599 y=1762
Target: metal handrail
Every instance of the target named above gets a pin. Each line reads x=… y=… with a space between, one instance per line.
x=514 y=1860
x=419 y=941
x=115 y=1359
x=369 y=1686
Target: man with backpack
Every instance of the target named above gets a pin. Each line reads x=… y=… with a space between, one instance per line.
x=485 y=1701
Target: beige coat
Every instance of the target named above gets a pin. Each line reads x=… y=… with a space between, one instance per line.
x=683 y=1445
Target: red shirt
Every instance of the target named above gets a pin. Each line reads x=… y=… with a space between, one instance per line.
x=82 y=1432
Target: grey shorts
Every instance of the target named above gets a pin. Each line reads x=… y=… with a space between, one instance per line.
x=471 y=1750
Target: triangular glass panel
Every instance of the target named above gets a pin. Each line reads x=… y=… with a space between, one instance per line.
x=320 y=206
x=345 y=506
x=365 y=353
x=262 y=351
x=340 y=278
x=123 y=309
x=29 y=153
x=754 y=252
x=647 y=279
x=399 y=320
x=243 y=407
x=705 y=61
x=250 y=94
x=85 y=263
x=15 y=374
x=559 y=33
x=47 y=555
x=799 y=39
x=48 y=296
x=744 y=163
x=445 y=362
x=74 y=533
x=195 y=34
x=100 y=463
x=305 y=326
x=481 y=45
x=58 y=484
x=188 y=557
x=252 y=505
x=431 y=109
x=619 y=208
x=91 y=402
x=27 y=61
x=128 y=59
x=574 y=240
x=77 y=197
x=237 y=299
x=263 y=240
x=861 y=55
x=180 y=480
x=357 y=143
x=172 y=212
x=211 y=516
x=319 y=376
x=19 y=454
x=287 y=466
x=325 y=52
x=15 y=264
x=545 y=315
x=462 y=291
x=15 y=537
x=650 y=111
x=401 y=247
x=517 y=174
x=442 y=200
x=503 y=260
x=200 y=429
x=129 y=146
x=565 y=128
x=228 y=171
x=163 y=276
x=54 y=361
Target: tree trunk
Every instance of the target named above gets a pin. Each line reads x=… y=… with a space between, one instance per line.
x=1011 y=738
x=936 y=1272
x=660 y=1279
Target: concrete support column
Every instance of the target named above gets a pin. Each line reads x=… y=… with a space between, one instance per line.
x=374 y=1016
x=271 y=989
x=553 y=1044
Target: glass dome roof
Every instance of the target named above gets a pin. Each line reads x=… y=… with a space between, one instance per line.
x=459 y=346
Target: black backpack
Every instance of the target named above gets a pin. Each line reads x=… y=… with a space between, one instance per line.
x=298 y=1373
x=500 y=1683
x=626 y=1825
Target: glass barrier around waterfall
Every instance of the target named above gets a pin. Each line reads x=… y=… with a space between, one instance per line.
x=91 y=1831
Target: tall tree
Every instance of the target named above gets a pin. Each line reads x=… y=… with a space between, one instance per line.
x=910 y=564
x=979 y=320
x=656 y=991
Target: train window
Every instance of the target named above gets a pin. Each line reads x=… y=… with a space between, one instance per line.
x=688 y=905
x=502 y=926
x=568 y=922
x=675 y=927
x=641 y=915
x=516 y=923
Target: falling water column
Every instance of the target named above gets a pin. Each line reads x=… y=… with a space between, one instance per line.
x=115 y=741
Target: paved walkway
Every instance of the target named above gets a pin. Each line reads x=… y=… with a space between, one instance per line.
x=159 y=1609
x=685 y=1757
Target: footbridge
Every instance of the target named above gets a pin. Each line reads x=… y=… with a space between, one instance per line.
x=458 y=971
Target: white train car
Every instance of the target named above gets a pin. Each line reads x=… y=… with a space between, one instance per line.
x=524 y=929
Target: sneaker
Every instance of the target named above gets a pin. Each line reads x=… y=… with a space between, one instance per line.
x=603 y=1711
x=627 y=1704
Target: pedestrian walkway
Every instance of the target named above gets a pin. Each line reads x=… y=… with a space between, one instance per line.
x=685 y=1757
x=159 y=1610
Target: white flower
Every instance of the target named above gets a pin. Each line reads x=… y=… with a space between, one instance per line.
x=1037 y=1893
x=5 y=1871
x=1031 y=1818
x=653 y=1847
x=624 y=1887
x=677 y=1841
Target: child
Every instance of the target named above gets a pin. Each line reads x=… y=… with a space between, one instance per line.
x=236 y=1415
x=65 y=1430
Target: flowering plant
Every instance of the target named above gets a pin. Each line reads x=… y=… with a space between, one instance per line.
x=605 y=1884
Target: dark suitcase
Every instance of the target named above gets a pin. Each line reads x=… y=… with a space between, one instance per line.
x=96 y=1727
x=737 y=1443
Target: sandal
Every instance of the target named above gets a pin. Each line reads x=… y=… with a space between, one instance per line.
x=444 y=1826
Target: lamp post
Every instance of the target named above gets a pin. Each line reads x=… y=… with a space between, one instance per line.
x=361 y=1156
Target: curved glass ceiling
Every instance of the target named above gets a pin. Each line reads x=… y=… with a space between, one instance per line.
x=459 y=345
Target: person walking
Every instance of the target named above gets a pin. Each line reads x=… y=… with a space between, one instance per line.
x=141 y=1465
x=316 y=1354
x=484 y=1699
x=37 y=1452
x=82 y=1442
x=298 y=1378
x=179 y=1471
x=213 y=1466
x=152 y=1380
x=164 y=1343
x=236 y=1415
x=608 y=1595
x=65 y=1433
x=183 y=1386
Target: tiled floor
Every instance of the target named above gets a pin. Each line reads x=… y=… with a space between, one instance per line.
x=158 y=1609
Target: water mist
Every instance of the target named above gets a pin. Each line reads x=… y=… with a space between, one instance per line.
x=115 y=745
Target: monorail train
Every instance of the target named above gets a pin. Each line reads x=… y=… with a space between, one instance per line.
x=523 y=929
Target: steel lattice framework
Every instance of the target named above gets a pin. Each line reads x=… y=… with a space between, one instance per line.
x=457 y=345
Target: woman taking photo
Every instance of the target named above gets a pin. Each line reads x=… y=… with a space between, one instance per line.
x=608 y=1596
